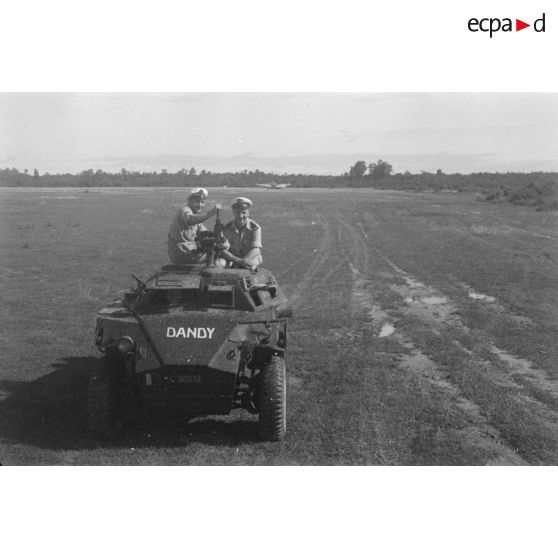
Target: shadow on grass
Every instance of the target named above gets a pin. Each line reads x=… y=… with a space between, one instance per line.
x=50 y=413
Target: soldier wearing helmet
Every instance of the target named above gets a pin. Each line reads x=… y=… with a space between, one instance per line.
x=243 y=239
x=186 y=225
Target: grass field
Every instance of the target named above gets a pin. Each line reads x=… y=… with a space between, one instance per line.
x=424 y=334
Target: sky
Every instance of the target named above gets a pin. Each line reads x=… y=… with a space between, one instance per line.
x=323 y=133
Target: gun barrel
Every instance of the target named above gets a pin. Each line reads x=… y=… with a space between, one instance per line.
x=217 y=237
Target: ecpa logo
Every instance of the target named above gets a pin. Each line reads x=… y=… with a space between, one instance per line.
x=492 y=25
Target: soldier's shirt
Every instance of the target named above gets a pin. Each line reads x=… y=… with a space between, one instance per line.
x=180 y=231
x=243 y=240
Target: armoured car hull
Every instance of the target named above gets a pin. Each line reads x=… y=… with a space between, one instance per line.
x=204 y=340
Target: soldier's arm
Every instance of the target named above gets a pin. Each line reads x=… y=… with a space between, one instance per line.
x=256 y=246
x=257 y=238
x=251 y=254
x=189 y=219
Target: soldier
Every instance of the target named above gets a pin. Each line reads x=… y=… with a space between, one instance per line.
x=243 y=244
x=185 y=227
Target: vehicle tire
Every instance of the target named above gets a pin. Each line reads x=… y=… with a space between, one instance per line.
x=271 y=397
x=103 y=401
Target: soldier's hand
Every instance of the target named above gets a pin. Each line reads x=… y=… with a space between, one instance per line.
x=218 y=206
x=246 y=265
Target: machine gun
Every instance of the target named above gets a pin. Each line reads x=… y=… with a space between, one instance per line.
x=212 y=241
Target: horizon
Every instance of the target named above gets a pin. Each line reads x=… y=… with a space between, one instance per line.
x=254 y=171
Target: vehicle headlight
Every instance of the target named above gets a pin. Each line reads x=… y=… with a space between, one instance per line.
x=125 y=344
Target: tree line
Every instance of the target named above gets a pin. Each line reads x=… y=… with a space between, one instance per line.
x=538 y=189
x=11 y=177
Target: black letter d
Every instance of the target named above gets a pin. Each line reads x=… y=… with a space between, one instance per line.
x=541 y=30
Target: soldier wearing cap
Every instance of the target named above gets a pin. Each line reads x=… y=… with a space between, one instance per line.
x=186 y=225
x=243 y=239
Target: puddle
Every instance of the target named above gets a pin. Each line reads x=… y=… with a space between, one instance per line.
x=479 y=296
x=364 y=300
x=426 y=302
x=413 y=283
x=430 y=300
x=387 y=330
x=495 y=305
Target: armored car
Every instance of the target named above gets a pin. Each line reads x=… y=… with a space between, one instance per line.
x=202 y=339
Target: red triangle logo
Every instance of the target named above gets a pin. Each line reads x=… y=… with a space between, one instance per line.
x=519 y=25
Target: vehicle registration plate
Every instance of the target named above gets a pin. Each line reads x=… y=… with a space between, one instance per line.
x=189 y=379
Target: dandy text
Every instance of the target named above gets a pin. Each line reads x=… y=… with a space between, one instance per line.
x=191 y=332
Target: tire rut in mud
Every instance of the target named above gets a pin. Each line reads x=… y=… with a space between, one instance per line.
x=476 y=434
x=502 y=411
x=322 y=255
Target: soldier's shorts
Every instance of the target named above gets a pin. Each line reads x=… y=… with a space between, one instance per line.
x=182 y=253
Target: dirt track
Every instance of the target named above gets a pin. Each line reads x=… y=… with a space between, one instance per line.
x=425 y=334
x=485 y=403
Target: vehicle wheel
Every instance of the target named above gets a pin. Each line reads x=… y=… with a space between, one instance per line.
x=272 y=400
x=103 y=401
